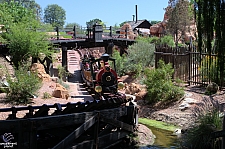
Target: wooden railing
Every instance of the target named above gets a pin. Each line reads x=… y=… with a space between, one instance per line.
x=86 y=32
x=91 y=125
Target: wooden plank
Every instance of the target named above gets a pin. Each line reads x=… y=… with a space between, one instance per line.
x=218 y=134
x=76 y=133
x=55 y=121
x=61 y=120
x=105 y=141
x=114 y=113
x=83 y=145
x=113 y=144
x=117 y=123
x=111 y=138
x=12 y=126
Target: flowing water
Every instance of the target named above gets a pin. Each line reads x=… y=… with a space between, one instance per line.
x=164 y=140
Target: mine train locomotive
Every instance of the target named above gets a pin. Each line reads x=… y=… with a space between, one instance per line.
x=100 y=75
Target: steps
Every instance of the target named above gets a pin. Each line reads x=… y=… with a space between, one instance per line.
x=79 y=91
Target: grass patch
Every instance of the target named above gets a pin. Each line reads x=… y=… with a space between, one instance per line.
x=157 y=124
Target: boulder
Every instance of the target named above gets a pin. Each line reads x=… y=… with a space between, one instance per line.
x=135 y=89
x=39 y=68
x=60 y=92
x=212 y=88
x=145 y=136
x=157 y=29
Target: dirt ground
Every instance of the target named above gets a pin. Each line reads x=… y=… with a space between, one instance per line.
x=177 y=114
x=185 y=111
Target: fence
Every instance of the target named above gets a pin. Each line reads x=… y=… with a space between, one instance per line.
x=87 y=32
x=190 y=65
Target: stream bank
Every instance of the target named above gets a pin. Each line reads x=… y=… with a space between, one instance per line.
x=163 y=133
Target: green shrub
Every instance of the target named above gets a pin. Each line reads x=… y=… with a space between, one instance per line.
x=62 y=72
x=23 y=86
x=153 y=39
x=199 y=135
x=46 y=95
x=140 y=55
x=159 y=84
x=60 y=81
x=168 y=40
x=120 y=62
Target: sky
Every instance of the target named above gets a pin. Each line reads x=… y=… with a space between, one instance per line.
x=111 y=12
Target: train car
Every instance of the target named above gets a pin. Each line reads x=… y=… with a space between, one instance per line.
x=100 y=75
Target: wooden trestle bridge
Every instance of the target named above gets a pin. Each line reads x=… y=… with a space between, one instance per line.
x=91 y=124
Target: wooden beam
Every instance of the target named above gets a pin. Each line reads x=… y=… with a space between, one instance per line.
x=12 y=126
x=76 y=133
x=55 y=121
x=61 y=120
x=85 y=145
x=117 y=123
x=107 y=140
x=114 y=113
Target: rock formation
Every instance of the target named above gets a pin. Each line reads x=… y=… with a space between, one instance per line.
x=130 y=33
x=39 y=68
x=60 y=92
x=159 y=28
x=135 y=89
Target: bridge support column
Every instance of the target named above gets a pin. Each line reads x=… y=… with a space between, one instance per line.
x=109 y=48
x=64 y=60
x=49 y=66
x=64 y=57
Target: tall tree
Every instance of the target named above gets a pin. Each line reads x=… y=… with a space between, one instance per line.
x=178 y=18
x=78 y=27
x=94 y=21
x=121 y=24
x=12 y=13
x=70 y=25
x=29 y=4
x=55 y=15
x=210 y=16
x=22 y=38
x=154 y=22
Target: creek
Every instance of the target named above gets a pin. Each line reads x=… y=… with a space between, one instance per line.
x=164 y=139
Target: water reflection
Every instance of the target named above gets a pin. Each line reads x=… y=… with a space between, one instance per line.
x=164 y=140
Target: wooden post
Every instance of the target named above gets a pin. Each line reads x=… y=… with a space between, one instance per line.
x=13 y=115
x=96 y=131
x=49 y=66
x=110 y=48
x=126 y=32
x=57 y=32
x=33 y=136
x=110 y=33
x=189 y=65
x=64 y=57
x=74 y=32
x=130 y=115
x=223 y=139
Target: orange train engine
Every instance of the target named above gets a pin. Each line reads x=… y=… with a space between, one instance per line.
x=100 y=75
